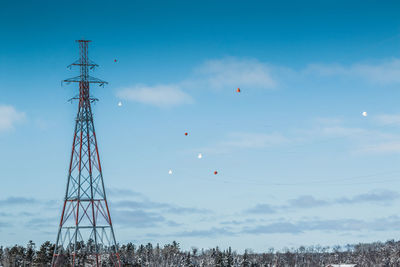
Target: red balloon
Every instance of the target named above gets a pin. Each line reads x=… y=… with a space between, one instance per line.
x=215 y=172
x=238 y=90
x=115 y=60
x=186 y=133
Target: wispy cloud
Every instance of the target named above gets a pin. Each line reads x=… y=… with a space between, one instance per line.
x=133 y=209
x=9 y=117
x=387 y=72
x=253 y=140
x=262 y=209
x=246 y=140
x=381 y=197
x=343 y=131
x=327 y=225
x=158 y=95
x=216 y=74
x=387 y=147
x=4 y=225
x=203 y=233
x=374 y=197
x=328 y=121
x=164 y=207
x=306 y=201
x=138 y=218
x=329 y=129
x=282 y=226
x=40 y=222
x=122 y=192
x=279 y=227
x=147 y=204
x=11 y=201
x=213 y=232
x=234 y=72
x=238 y=222
x=384 y=197
x=363 y=140
x=388 y=119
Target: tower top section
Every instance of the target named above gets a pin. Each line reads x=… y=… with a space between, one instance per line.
x=85 y=65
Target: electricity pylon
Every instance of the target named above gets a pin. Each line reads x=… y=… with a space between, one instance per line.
x=85 y=234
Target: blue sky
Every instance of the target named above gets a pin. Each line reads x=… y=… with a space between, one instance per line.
x=297 y=162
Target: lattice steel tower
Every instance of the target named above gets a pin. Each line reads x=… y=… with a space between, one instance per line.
x=85 y=232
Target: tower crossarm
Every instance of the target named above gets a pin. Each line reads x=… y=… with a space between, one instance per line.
x=80 y=62
x=88 y=79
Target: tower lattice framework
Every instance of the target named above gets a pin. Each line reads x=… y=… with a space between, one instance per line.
x=86 y=234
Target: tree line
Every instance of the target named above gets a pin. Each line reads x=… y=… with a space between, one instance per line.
x=363 y=254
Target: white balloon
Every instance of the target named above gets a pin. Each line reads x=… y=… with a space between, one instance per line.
x=170 y=172
x=199 y=155
x=119 y=104
x=365 y=114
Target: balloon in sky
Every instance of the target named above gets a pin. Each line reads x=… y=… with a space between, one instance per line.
x=238 y=90
x=365 y=114
x=115 y=60
x=119 y=104
x=170 y=172
x=200 y=155
x=215 y=172
x=186 y=134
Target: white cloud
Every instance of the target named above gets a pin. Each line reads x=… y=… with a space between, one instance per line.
x=328 y=121
x=344 y=131
x=249 y=74
x=387 y=72
x=362 y=140
x=388 y=119
x=245 y=140
x=338 y=128
x=233 y=72
x=9 y=116
x=387 y=147
x=228 y=73
x=253 y=140
x=159 y=95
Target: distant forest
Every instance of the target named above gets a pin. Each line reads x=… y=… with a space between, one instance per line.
x=372 y=254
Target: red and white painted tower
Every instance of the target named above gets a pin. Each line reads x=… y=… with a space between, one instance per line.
x=85 y=234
